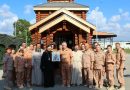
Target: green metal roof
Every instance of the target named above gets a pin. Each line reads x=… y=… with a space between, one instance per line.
x=7 y=40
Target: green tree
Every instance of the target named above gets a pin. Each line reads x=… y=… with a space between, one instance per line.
x=21 y=30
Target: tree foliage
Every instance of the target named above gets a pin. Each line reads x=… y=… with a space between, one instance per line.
x=21 y=30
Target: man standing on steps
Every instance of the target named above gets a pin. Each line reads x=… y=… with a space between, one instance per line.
x=66 y=57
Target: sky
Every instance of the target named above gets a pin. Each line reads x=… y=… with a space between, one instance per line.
x=110 y=15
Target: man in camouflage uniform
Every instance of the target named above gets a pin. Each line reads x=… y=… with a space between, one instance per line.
x=87 y=63
x=120 y=59
x=99 y=66
x=8 y=69
x=28 y=64
x=19 y=64
x=109 y=64
x=66 y=56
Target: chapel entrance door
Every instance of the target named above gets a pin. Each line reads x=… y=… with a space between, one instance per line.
x=66 y=36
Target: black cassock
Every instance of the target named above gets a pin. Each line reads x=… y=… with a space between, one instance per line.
x=47 y=68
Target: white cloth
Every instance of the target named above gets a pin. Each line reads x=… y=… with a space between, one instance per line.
x=37 y=77
x=77 y=68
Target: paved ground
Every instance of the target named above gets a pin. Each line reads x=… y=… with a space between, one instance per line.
x=59 y=87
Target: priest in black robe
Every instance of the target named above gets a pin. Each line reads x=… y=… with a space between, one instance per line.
x=47 y=68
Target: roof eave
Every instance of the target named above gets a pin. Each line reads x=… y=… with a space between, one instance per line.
x=66 y=12
x=67 y=18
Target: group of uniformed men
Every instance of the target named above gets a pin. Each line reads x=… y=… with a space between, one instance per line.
x=17 y=66
x=94 y=63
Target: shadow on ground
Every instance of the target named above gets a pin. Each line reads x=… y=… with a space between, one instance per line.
x=128 y=75
x=57 y=87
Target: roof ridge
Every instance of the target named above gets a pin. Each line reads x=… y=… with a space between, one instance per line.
x=44 y=4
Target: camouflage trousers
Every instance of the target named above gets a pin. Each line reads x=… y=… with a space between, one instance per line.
x=9 y=78
x=120 y=76
x=28 y=75
x=20 y=78
x=88 y=73
x=98 y=77
x=66 y=74
x=110 y=77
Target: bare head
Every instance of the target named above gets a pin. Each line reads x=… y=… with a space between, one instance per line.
x=117 y=45
x=87 y=46
x=95 y=44
x=13 y=51
x=24 y=45
x=31 y=47
x=60 y=47
x=21 y=52
x=64 y=45
x=9 y=50
x=53 y=45
x=76 y=47
x=35 y=46
x=49 y=48
x=98 y=48
x=38 y=45
x=82 y=47
x=109 y=48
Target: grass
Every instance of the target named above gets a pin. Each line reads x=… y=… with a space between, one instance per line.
x=127 y=51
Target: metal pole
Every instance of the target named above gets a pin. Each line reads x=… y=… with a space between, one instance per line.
x=26 y=37
x=15 y=31
x=96 y=31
